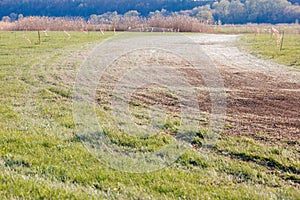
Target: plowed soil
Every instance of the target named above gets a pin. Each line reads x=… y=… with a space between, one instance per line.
x=263 y=98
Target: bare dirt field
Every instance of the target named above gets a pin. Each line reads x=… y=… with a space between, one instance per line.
x=263 y=98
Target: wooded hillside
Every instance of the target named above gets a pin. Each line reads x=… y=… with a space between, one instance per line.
x=224 y=11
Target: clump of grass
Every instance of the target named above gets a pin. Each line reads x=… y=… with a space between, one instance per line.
x=60 y=92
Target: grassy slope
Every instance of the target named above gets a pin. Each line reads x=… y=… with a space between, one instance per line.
x=265 y=46
x=41 y=158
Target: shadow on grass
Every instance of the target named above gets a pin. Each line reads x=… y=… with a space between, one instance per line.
x=266 y=162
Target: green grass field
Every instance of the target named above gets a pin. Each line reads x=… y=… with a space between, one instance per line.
x=41 y=158
x=265 y=46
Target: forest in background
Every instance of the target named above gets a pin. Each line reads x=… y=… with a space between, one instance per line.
x=207 y=11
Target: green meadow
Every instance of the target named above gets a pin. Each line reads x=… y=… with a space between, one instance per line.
x=266 y=46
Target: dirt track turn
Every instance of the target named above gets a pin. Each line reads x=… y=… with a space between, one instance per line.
x=263 y=97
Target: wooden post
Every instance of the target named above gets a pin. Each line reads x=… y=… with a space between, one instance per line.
x=39 y=35
x=281 y=43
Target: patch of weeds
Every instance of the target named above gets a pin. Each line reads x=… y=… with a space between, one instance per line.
x=139 y=114
x=197 y=142
x=61 y=92
x=248 y=150
x=265 y=161
x=67 y=121
x=11 y=162
x=59 y=173
x=191 y=159
x=171 y=125
x=292 y=177
x=140 y=144
x=201 y=133
x=74 y=138
x=134 y=103
x=228 y=126
x=241 y=174
x=6 y=113
x=106 y=108
x=277 y=151
x=68 y=124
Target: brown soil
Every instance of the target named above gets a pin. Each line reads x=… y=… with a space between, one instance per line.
x=258 y=105
x=263 y=98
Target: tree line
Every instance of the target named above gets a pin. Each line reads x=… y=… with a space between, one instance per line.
x=207 y=11
x=84 y=8
x=255 y=11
